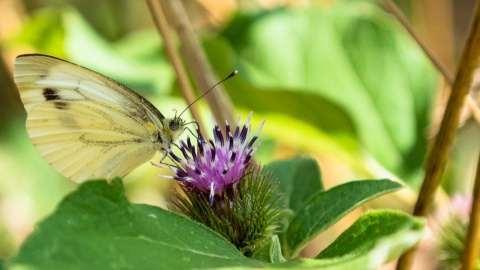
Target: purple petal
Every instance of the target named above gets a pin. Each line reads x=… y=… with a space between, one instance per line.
x=230 y=141
x=175 y=157
x=213 y=154
x=218 y=136
x=243 y=134
x=252 y=141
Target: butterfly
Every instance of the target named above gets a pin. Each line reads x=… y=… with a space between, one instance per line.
x=86 y=125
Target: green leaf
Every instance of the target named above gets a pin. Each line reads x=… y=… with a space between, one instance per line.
x=368 y=230
x=327 y=207
x=43 y=31
x=304 y=108
x=387 y=233
x=270 y=252
x=298 y=179
x=352 y=54
x=121 y=61
x=97 y=228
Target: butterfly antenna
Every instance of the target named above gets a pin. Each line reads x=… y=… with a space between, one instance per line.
x=235 y=72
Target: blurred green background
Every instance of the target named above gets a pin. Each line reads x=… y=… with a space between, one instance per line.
x=340 y=81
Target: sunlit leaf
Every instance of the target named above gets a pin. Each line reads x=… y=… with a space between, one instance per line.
x=375 y=238
x=329 y=206
x=368 y=230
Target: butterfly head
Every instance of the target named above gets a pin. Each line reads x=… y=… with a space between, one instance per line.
x=172 y=129
x=175 y=124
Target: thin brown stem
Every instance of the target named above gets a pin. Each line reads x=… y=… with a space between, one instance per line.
x=182 y=77
x=391 y=7
x=438 y=155
x=470 y=252
x=203 y=75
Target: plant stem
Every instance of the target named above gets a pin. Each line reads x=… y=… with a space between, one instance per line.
x=470 y=252
x=163 y=28
x=391 y=7
x=438 y=155
x=219 y=102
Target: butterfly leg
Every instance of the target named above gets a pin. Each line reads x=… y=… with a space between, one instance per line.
x=164 y=156
x=191 y=132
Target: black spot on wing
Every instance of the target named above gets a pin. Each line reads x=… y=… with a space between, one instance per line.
x=50 y=94
x=61 y=105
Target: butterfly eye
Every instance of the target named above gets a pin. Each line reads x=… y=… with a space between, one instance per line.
x=173 y=125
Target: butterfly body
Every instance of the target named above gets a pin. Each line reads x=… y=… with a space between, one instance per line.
x=86 y=125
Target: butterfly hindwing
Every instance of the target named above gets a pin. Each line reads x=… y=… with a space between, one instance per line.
x=83 y=123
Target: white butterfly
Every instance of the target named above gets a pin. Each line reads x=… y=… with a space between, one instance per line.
x=86 y=125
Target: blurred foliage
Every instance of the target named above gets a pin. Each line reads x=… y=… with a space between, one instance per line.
x=342 y=80
x=353 y=58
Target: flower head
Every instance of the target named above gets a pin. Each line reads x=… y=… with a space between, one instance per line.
x=449 y=225
x=211 y=167
x=223 y=190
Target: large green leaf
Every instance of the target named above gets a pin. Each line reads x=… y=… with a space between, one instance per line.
x=327 y=207
x=97 y=228
x=350 y=54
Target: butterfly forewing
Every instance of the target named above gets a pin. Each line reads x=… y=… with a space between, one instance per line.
x=83 y=123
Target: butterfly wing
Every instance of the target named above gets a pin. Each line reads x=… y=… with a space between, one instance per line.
x=82 y=123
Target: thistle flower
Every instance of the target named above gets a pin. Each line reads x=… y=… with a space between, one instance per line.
x=449 y=226
x=213 y=166
x=223 y=189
